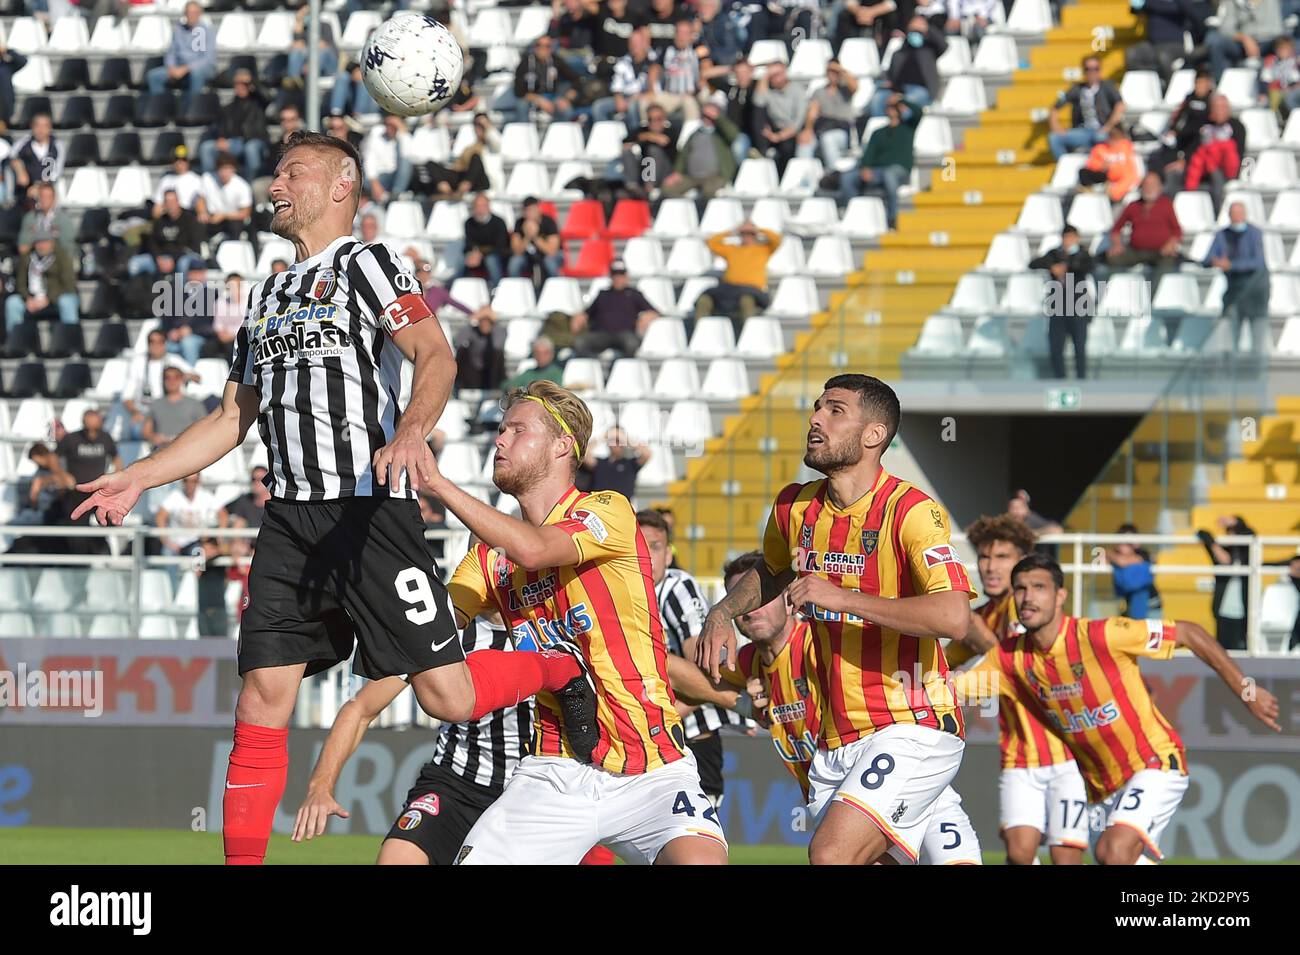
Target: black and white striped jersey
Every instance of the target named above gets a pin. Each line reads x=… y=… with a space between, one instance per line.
x=488 y=751
x=317 y=345
x=682 y=609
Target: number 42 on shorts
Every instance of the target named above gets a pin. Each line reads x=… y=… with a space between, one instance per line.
x=683 y=804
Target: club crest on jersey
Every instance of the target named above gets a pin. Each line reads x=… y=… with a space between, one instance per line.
x=323 y=288
x=410 y=820
x=869 y=540
x=801 y=686
x=1078 y=669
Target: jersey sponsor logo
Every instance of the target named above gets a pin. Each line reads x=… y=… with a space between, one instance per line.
x=521 y=634
x=538 y=592
x=429 y=803
x=545 y=631
x=789 y=712
x=940 y=554
x=869 y=541
x=404 y=311
x=323 y=288
x=850 y=565
x=298 y=342
x=593 y=523
x=795 y=749
x=1087 y=719
x=410 y=820
x=821 y=613
x=502 y=569
x=1155 y=634
x=406 y=282
x=318 y=312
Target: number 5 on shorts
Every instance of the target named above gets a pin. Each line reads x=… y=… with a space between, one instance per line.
x=413 y=587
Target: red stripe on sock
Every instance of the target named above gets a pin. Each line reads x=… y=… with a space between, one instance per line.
x=255 y=779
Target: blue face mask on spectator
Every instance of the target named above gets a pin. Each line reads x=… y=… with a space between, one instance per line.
x=1072 y=248
x=915 y=38
x=1238 y=226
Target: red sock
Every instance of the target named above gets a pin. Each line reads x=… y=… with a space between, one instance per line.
x=259 y=765
x=598 y=855
x=503 y=678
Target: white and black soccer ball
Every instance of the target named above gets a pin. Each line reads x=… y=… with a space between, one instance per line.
x=412 y=65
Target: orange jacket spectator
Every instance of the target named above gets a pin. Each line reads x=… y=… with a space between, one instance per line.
x=1117 y=158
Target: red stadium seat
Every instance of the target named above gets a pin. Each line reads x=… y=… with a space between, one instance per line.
x=548 y=209
x=631 y=218
x=586 y=219
x=593 y=260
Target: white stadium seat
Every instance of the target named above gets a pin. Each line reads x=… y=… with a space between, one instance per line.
x=713 y=337
x=514 y=298
x=664 y=337
x=831 y=257
x=643 y=255
x=788 y=259
x=583 y=375
x=563 y=141
x=688 y=257
x=1007 y=253
x=760 y=338
x=629 y=379
x=1024 y=294
x=795 y=297
x=676 y=218
x=860 y=56
x=1091 y=213
x=975 y=294
x=689 y=424
x=1140 y=90
x=756 y=178
x=1041 y=215
x=864 y=219
x=996 y=56
x=559 y=294
x=940 y=336
x=722 y=214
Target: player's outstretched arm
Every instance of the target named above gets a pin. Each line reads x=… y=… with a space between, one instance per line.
x=344 y=737
x=692 y=685
x=203 y=443
x=1261 y=703
x=435 y=369
x=717 y=643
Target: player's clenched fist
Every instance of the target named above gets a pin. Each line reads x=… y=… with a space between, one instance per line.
x=819 y=592
x=313 y=815
x=111 y=495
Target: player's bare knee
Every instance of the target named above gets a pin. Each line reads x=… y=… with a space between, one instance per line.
x=401 y=852
x=442 y=698
x=1115 y=848
x=267 y=697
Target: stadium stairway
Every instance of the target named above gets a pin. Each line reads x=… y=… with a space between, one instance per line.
x=975 y=192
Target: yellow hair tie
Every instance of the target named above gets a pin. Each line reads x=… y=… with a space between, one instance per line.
x=564 y=425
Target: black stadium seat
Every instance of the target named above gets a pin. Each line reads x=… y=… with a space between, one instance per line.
x=202 y=110
x=74 y=74
x=274 y=71
x=113 y=73
x=29 y=381
x=111 y=341
x=124 y=149
x=23 y=339
x=240 y=61
x=65 y=341
x=78 y=110
x=155 y=109
x=94 y=225
x=31 y=106
x=163 y=150
x=149 y=63
x=83 y=149
x=74 y=378
x=117 y=112
x=104 y=303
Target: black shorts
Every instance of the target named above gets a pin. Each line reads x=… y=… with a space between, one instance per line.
x=326 y=573
x=439 y=812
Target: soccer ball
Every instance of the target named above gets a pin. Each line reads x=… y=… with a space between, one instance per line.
x=412 y=65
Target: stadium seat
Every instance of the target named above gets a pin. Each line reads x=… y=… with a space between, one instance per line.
x=676 y=218
x=583 y=375
x=658 y=290
x=514 y=298
x=131 y=187
x=989 y=339
x=831 y=257
x=447 y=222
x=802 y=177
x=1195 y=211
x=15 y=588
x=940 y=336
x=491 y=25
x=722 y=214
x=788 y=258
x=1091 y=213
x=533 y=21
x=689 y=257
x=1252 y=200
x=461 y=462
x=664 y=338
x=1140 y=90
x=688 y=425
x=771 y=213
x=756 y=178
x=74 y=377
x=156 y=592
x=975 y=294
x=73 y=74
x=660 y=470
x=1024 y=294
x=726 y=380
x=16 y=624
x=236 y=255
x=360 y=24
x=88 y=188
x=1238 y=84
x=471 y=292
x=1007 y=252
x=59 y=588
x=559 y=294
x=1065 y=177
x=643 y=255
x=630 y=218
x=963 y=96
x=1127 y=295
x=1284 y=292
x=527 y=179
x=810 y=59
x=276 y=34
x=78 y=111
x=186 y=600
x=1101 y=337
x=108 y=36
x=860 y=56
x=454 y=421
x=933 y=138
x=592 y=260
x=1284 y=216
x=584 y=219
x=957 y=58
x=404 y=218
x=761 y=338
x=1041 y=215
x=27 y=36
x=1177 y=294
x=713 y=337
x=864 y=219
x=519 y=142
x=29 y=381
x=816 y=215
x=1194 y=334
x=795 y=297
x=237 y=31
x=764 y=52
x=83 y=150
x=1143 y=337
x=642 y=420
x=563 y=141
x=629 y=379
x=1261 y=129
x=996 y=56
x=1028 y=18
x=110 y=626
x=1274 y=170
x=112 y=339
x=605 y=142
x=1288 y=346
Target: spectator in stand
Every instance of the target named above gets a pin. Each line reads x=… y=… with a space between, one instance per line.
x=190 y=60
x=1018 y=507
x=616 y=318
x=227 y=200
x=661 y=18
x=1154 y=233
x=863 y=19
x=11 y=61
x=290 y=122
x=43 y=501
x=1163 y=45
x=466 y=173
x=47 y=216
x=295 y=74
x=350 y=96
x=1183 y=132
x=278 y=266
x=480 y=352
x=45 y=285
x=705 y=163
x=1238 y=252
x=144 y=383
x=86 y=454
x=573 y=30
x=173 y=412
x=831 y=115
x=174 y=240
x=1279 y=77
x=487 y=242
x=742 y=112
x=1244 y=30
x=972 y=18
x=649 y=153
x=248 y=509
x=1112 y=163
x=1219 y=153
x=886 y=162
x=717 y=35
x=535 y=250
x=190 y=332
x=743 y=289
x=228 y=318
x=1068 y=303
x=914 y=69
x=338 y=126
x=618 y=470
x=611 y=34
x=384 y=156
x=188 y=509
x=240 y=129
x=37 y=157
x=182 y=180
x=544 y=82
x=1135 y=584
x=1095 y=109
x=784 y=106
x=634 y=82
x=682 y=77
x=1229 y=602
x=544 y=367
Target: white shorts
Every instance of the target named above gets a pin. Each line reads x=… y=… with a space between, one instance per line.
x=1050 y=799
x=894 y=777
x=951 y=839
x=554 y=809
x=1146 y=803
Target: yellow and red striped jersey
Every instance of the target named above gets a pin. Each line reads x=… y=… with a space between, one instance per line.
x=791 y=708
x=1023 y=739
x=605 y=604
x=891 y=542
x=1088 y=690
